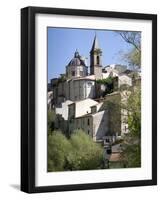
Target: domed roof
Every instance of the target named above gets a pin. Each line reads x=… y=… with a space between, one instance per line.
x=76 y=61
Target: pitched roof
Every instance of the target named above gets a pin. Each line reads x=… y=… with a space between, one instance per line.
x=128 y=71
x=115 y=67
x=91 y=114
x=95 y=44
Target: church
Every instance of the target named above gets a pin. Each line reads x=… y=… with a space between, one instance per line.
x=77 y=84
x=76 y=95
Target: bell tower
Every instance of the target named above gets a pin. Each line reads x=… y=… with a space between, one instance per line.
x=96 y=59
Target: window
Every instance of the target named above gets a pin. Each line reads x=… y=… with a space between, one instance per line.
x=98 y=60
x=81 y=73
x=107 y=140
x=73 y=73
x=88 y=132
x=88 y=122
x=89 y=84
x=93 y=109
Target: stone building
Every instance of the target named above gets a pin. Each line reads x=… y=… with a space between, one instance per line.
x=76 y=67
x=76 y=84
x=82 y=88
x=104 y=120
x=96 y=59
x=81 y=102
x=62 y=113
x=74 y=89
x=122 y=80
x=85 y=115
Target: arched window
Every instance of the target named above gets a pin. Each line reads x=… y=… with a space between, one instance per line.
x=73 y=73
x=98 y=60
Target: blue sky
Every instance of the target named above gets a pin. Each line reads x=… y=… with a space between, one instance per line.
x=62 y=43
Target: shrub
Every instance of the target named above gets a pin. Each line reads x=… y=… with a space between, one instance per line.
x=79 y=152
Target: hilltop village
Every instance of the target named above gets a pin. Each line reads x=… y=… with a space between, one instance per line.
x=89 y=97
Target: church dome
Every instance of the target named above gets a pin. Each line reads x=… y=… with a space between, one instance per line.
x=76 y=61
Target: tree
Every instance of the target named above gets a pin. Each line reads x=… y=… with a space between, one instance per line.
x=125 y=107
x=79 y=152
x=131 y=148
x=112 y=103
x=51 y=120
x=108 y=82
x=62 y=78
x=58 y=148
x=133 y=56
x=86 y=154
x=132 y=37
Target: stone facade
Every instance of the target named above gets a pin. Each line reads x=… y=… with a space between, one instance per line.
x=77 y=84
x=80 y=108
x=63 y=110
x=74 y=89
x=81 y=102
x=96 y=59
x=123 y=79
x=84 y=115
x=76 y=67
x=80 y=89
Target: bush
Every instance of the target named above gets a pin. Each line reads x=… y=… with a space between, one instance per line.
x=132 y=141
x=108 y=82
x=86 y=154
x=58 y=146
x=105 y=81
x=79 y=152
x=51 y=120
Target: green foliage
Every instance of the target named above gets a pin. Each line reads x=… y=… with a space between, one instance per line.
x=58 y=146
x=124 y=87
x=133 y=56
x=132 y=155
x=108 y=82
x=132 y=141
x=62 y=78
x=113 y=105
x=86 y=153
x=116 y=165
x=79 y=152
x=132 y=37
x=51 y=119
x=134 y=108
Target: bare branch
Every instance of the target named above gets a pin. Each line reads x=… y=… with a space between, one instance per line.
x=132 y=38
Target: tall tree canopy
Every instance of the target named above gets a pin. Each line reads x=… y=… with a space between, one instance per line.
x=132 y=141
x=78 y=152
x=133 y=57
